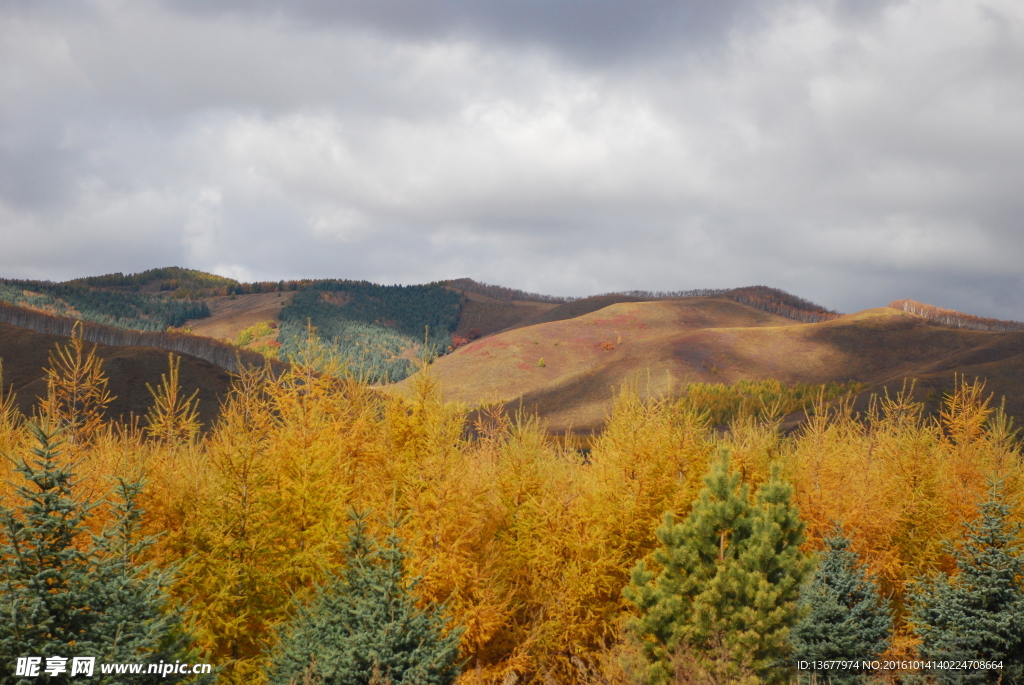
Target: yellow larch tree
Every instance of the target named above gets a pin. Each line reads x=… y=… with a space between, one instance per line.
x=173 y=418
x=76 y=390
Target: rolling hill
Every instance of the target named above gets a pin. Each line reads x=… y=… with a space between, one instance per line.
x=229 y=316
x=568 y=371
x=376 y=330
x=563 y=358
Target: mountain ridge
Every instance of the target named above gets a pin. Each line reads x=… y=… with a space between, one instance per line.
x=563 y=358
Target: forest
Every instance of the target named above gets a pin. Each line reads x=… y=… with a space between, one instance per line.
x=368 y=327
x=179 y=283
x=121 y=309
x=166 y=278
x=500 y=292
x=323 y=532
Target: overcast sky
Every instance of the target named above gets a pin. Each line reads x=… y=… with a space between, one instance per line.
x=851 y=152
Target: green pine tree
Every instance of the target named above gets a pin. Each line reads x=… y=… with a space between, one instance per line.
x=133 y=620
x=363 y=626
x=978 y=614
x=726 y=596
x=59 y=597
x=844 y=617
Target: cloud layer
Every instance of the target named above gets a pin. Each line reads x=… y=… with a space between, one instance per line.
x=852 y=153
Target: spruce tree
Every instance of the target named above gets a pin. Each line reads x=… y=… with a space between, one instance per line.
x=725 y=598
x=132 y=618
x=363 y=625
x=978 y=614
x=44 y=604
x=844 y=617
x=62 y=597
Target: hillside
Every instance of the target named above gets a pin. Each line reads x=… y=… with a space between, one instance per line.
x=490 y=308
x=375 y=330
x=563 y=358
x=110 y=307
x=229 y=316
x=565 y=369
x=171 y=279
x=483 y=315
x=568 y=371
x=25 y=354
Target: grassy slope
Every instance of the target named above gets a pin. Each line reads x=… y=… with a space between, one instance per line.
x=487 y=315
x=228 y=317
x=578 y=369
x=571 y=310
x=661 y=345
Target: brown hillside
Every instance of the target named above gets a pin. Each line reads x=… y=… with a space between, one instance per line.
x=487 y=315
x=229 y=316
x=662 y=345
x=25 y=353
x=570 y=310
x=584 y=356
x=482 y=315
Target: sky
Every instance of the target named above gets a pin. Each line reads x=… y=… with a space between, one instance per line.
x=851 y=152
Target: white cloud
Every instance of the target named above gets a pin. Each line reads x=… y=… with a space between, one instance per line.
x=850 y=154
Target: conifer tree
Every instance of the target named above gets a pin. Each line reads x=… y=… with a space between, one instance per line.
x=43 y=600
x=59 y=597
x=725 y=598
x=173 y=418
x=131 y=617
x=9 y=415
x=978 y=614
x=845 y=617
x=363 y=625
x=76 y=389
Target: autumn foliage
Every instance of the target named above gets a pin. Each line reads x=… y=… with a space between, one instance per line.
x=528 y=540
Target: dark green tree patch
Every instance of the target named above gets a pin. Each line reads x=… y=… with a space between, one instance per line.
x=978 y=614
x=844 y=616
x=121 y=309
x=363 y=625
x=370 y=326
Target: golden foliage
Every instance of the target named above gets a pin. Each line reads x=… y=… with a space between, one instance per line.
x=173 y=418
x=528 y=540
x=76 y=390
x=10 y=418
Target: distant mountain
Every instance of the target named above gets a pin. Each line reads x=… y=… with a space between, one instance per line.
x=164 y=279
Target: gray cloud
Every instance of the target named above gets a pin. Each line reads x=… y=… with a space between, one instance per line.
x=852 y=153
